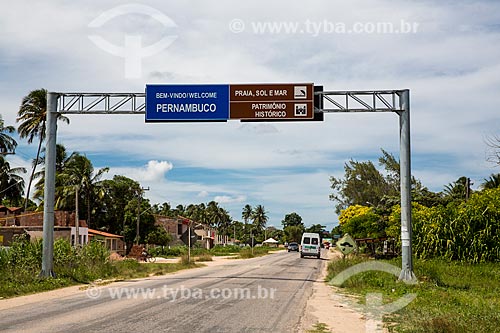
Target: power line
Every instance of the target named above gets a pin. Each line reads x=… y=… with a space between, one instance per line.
x=11 y=186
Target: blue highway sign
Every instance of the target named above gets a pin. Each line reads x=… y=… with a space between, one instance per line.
x=185 y=102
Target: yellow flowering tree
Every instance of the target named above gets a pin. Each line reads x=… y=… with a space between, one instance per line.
x=353 y=211
x=361 y=222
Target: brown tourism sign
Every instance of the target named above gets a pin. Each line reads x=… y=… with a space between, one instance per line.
x=271 y=101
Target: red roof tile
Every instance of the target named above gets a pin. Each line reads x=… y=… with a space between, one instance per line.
x=102 y=233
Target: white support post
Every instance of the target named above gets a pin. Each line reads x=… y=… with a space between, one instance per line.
x=405 y=179
x=50 y=172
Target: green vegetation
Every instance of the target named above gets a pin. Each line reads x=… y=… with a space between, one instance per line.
x=110 y=205
x=21 y=264
x=168 y=252
x=452 y=296
x=204 y=257
x=177 y=251
x=466 y=231
x=319 y=328
x=293 y=227
x=456 y=240
x=247 y=253
x=228 y=250
x=456 y=224
x=32 y=116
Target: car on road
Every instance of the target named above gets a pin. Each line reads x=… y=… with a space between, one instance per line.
x=293 y=247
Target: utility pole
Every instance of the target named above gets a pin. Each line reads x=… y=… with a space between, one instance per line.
x=139 y=201
x=77 y=218
x=189 y=241
x=251 y=237
x=467 y=188
x=190 y=225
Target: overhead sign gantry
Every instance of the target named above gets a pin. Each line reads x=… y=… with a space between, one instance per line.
x=253 y=102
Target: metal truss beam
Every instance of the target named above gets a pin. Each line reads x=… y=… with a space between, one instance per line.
x=360 y=101
x=134 y=103
x=101 y=103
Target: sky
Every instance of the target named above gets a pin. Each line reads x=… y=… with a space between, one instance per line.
x=446 y=52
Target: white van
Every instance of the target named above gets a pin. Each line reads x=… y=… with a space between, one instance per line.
x=310 y=245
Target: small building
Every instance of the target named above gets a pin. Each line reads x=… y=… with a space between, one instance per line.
x=7 y=234
x=176 y=226
x=113 y=242
x=206 y=236
x=172 y=225
x=8 y=215
x=14 y=222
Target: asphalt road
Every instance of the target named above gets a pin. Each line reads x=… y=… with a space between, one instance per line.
x=265 y=294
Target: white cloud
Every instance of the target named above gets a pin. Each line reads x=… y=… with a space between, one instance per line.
x=153 y=171
x=224 y=199
x=203 y=194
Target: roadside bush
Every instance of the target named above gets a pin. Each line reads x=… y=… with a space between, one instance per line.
x=219 y=249
x=25 y=255
x=468 y=231
x=199 y=251
x=185 y=260
x=174 y=251
x=246 y=253
x=85 y=264
x=204 y=257
x=64 y=253
x=20 y=266
x=4 y=258
x=95 y=252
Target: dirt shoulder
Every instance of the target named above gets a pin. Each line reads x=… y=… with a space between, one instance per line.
x=328 y=306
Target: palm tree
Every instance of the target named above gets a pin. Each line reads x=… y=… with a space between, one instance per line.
x=211 y=213
x=224 y=221
x=259 y=217
x=7 y=143
x=11 y=182
x=492 y=182
x=179 y=210
x=32 y=115
x=246 y=214
x=456 y=190
x=196 y=212
x=79 y=176
x=62 y=159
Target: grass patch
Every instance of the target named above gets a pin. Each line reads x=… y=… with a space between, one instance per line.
x=319 y=328
x=218 y=250
x=204 y=257
x=225 y=250
x=246 y=253
x=21 y=264
x=130 y=268
x=451 y=296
